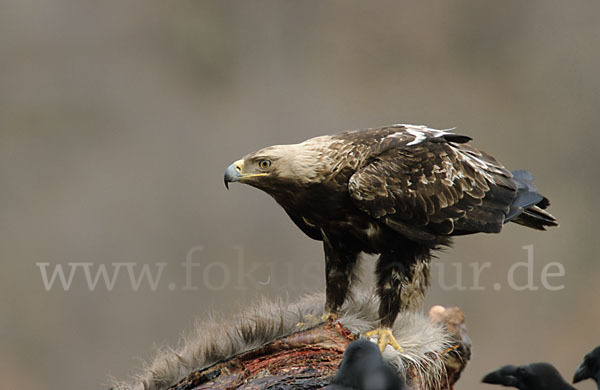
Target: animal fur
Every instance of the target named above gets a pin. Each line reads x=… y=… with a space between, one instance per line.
x=220 y=339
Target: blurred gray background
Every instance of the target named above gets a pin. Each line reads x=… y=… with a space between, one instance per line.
x=117 y=120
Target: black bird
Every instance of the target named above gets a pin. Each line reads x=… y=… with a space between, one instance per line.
x=534 y=376
x=589 y=368
x=363 y=368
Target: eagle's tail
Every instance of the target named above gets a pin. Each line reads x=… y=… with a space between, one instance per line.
x=528 y=207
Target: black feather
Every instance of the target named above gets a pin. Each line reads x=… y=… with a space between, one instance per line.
x=457 y=139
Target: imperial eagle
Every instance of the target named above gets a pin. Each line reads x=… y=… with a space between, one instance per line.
x=399 y=191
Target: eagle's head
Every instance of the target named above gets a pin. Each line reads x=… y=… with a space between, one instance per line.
x=275 y=166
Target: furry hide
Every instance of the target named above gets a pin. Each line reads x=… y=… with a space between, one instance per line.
x=423 y=341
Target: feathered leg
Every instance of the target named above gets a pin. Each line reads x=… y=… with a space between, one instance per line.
x=399 y=287
x=340 y=272
x=390 y=273
x=415 y=285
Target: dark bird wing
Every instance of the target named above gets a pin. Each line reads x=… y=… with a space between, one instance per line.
x=427 y=183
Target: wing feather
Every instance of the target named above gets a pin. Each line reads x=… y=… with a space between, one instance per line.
x=434 y=186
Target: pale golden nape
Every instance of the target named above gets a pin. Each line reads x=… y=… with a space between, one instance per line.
x=302 y=162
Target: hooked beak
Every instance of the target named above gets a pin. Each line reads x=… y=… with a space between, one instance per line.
x=233 y=172
x=505 y=376
x=582 y=372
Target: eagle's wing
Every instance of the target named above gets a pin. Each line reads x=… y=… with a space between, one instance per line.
x=434 y=184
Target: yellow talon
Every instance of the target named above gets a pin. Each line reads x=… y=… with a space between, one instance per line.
x=329 y=317
x=310 y=320
x=384 y=338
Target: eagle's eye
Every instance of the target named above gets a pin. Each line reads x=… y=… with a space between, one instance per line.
x=264 y=164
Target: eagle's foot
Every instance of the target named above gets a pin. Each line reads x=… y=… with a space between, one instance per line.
x=329 y=317
x=310 y=320
x=384 y=338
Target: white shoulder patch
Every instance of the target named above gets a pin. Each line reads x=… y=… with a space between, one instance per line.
x=421 y=133
x=419 y=136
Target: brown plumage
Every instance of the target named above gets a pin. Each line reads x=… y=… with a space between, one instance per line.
x=400 y=191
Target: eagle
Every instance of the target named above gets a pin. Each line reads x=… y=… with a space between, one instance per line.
x=401 y=192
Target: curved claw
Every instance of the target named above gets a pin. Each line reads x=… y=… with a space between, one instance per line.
x=331 y=317
x=311 y=320
x=384 y=338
